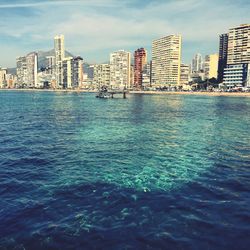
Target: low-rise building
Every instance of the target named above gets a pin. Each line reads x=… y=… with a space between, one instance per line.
x=236 y=75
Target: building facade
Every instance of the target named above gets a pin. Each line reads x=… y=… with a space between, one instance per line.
x=32 y=70
x=67 y=73
x=59 y=57
x=77 y=72
x=238 y=56
x=223 y=47
x=239 y=44
x=211 y=66
x=3 y=77
x=120 y=69
x=236 y=75
x=185 y=74
x=21 y=71
x=140 y=60
x=72 y=72
x=101 y=75
x=166 y=61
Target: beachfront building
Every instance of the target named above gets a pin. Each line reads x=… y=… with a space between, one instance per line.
x=77 y=72
x=120 y=69
x=21 y=71
x=32 y=70
x=59 y=57
x=101 y=75
x=236 y=73
x=197 y=63
x=140 y=60
x=211 y=66
x=185 y=74
x=166 y=61
x=222 y=56
x=239 y=44
x=67 y=72
x=72 y=72
x=3 y=80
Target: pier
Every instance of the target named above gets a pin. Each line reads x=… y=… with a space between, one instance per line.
x=105 y=93
x=113 y=92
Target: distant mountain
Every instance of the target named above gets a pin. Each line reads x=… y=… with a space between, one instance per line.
x=43 y=54
x=42 y=62
x=11 y=71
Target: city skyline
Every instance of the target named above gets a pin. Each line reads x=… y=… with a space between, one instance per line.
x=95 y=29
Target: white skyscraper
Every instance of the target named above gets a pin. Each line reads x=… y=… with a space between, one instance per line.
x=32 y=69
x=59 y=57
x=3 y=73
x=166 y=60
x=120 y=69
x=21 y=71
x=197 y=63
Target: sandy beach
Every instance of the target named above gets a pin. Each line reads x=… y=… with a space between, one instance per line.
x=207 y=93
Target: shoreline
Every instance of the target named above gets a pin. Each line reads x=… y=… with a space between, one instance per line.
x=205 y=93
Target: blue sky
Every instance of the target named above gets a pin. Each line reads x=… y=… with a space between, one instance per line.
x=95 y=28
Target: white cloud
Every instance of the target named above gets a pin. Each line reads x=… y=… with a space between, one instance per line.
x=103 y=26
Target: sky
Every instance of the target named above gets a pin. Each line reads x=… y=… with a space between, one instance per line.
x=95 y=28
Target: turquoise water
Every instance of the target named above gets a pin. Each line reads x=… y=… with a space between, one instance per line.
x=144 y=172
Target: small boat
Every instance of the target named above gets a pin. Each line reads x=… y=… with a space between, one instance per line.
x=103 y=93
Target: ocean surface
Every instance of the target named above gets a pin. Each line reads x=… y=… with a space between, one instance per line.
x=147 y=172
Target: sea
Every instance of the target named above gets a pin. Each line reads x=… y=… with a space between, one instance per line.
x=146 y=172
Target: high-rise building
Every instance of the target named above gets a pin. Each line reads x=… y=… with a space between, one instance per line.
x=239 y=44
x=101 y=75
x=72 y=72
x=59 y=57
x=146 y=75
x=222 y=56
x=32 y=70
x=211 y=66
x=140 y=60
x=77 y=72
x=120 y=69
x=185 y=74
x=21 y=71
x=236 y=73
x=197 y=63
x=3 y=79
x=50 y=65
x=67 y=73
x=166 y=60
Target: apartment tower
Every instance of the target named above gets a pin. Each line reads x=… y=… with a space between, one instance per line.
x=237 y=71
x=222 y=56
x=59 y=57
x=120 y=69
x=32 y=69
x=140 y=60
x=166 y=61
